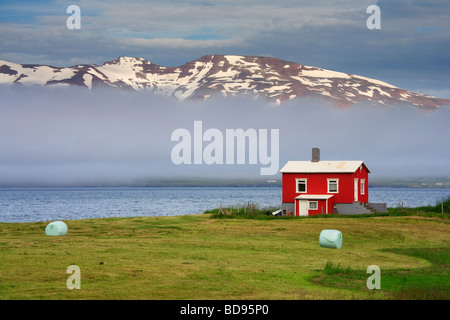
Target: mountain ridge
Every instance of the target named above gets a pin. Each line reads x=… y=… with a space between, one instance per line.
x=275 y=79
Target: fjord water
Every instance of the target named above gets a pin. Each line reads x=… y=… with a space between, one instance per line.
x=49 y=204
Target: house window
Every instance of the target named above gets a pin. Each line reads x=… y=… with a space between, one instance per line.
x=363 y=187
x=313 y=205
x=301 y=185
x=333 y=185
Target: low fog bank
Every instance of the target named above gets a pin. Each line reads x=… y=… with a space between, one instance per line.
x=71 y=136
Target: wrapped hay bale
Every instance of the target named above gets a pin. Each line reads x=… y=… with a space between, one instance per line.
x=56 y=228
x=330 y=239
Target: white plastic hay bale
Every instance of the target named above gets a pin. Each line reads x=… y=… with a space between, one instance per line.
x=56 y=228
x=330 y=239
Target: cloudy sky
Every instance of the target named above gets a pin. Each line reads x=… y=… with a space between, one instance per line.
x=409 y=51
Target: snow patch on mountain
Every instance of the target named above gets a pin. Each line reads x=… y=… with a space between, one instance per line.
x=211 y=75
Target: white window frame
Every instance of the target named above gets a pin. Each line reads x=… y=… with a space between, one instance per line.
x=296 y=185
x=337 y=185
x=311 y=202
x=362 y=188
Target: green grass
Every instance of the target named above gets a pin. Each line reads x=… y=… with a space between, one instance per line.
x=398 y=283
x=196 y=257
x=402 y=283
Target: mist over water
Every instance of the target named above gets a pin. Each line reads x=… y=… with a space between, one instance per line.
x=72 y=136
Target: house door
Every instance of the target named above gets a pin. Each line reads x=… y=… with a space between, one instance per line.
x=356 y=189
x=302 y=207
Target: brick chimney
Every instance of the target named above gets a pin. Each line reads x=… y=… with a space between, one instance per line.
x=315 y=155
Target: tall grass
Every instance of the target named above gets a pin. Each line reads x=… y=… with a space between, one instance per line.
x=440 y=210
x=254 y=211
x=245 y=211
x=442 y=206
x=333 y=269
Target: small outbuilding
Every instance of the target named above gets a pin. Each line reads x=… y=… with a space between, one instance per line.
x=323 y=187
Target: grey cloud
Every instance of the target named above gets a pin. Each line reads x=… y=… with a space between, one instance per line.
x=78 y=137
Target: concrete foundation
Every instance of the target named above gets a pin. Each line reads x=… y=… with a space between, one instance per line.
x=359 y=208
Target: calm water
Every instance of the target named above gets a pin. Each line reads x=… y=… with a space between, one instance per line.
x=48 y=204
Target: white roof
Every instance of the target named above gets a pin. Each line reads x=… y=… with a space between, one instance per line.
x=322 y=167
x=314 y=196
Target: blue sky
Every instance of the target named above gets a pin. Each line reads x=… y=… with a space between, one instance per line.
x=410 y=50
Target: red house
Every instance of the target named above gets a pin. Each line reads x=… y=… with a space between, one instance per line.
x=322 y=187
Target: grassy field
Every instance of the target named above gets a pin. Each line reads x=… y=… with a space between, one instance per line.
x=206 y=257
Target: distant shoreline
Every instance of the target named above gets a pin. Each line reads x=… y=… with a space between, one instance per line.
x=416 y=183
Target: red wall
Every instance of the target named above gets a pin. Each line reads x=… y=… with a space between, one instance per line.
x=317 y=184
x=322 y=207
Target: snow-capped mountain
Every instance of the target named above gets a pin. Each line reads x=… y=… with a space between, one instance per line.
x=276 y=79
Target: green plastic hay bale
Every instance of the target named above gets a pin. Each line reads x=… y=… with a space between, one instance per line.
x=330 y=239
x=56 y=228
